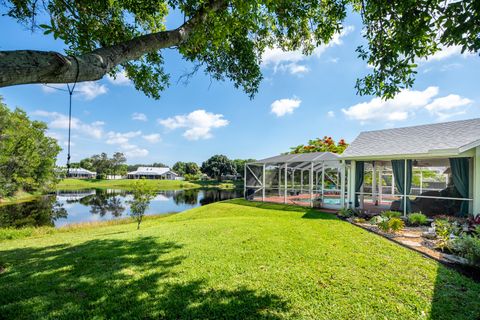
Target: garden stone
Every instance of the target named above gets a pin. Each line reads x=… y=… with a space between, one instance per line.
x=429 y=235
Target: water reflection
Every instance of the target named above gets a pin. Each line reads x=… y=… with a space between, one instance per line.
x=92 y=205
x=42 y=212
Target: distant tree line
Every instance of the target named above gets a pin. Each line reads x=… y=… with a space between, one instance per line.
x=215 y=167
x=189 y=170
x=219 y=165
x=27 y=155
x=103 y=165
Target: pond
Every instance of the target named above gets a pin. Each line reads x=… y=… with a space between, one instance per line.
x=74 y=206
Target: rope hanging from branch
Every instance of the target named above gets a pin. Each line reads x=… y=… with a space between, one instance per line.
x=70 y=93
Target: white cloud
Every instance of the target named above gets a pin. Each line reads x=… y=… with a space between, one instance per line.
x=284 y=106
x=88 y=90
x=60 y=121
x=123 y=141
x=297 y=69
x=331 y=114
x=51 y=88
x=120 y=79
x=199 y=124
x=133 y=151
x=62 y=140
x=65 y=143
x=448 y=106
x=139 y=116
x=152 y=138
x=405 y=105
x=447 y=52
x=121 y=138
x=276 y=56
x=289 y=61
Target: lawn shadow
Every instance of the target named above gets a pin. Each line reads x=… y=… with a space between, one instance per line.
x=315 y=214
x=455 y=296
x=193 y=300
x=267 y=205
x=309 y=213
x=119 y=279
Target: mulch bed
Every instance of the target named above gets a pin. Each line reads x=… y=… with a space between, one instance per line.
x=411 y=238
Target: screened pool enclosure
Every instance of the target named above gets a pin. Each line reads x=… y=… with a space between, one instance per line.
x=310 y=179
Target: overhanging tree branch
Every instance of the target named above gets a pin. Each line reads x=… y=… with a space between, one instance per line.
x=31 y=66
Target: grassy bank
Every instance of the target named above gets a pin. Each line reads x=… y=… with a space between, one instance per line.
x=127 y=183
x=19 y=197
x=228 y=260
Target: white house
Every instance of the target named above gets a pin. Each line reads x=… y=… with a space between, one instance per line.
x=432 y=168
x=153 y=173
x=453 y=147
x=80 y=173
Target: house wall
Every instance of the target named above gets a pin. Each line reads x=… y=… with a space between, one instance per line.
x=474 y=183
x=165 y=176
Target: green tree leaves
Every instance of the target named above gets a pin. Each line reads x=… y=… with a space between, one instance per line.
x=27 y=156
x=327 y=144
x=226 y=38
x=142 y=193
x=218 y=165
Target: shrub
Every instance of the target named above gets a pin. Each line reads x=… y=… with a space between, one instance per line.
x=445 y=231
x=417 y=219
x=345 y=213
x=395 y=224
x=391 y=214
x=468 y=247
x=192 y=177
x=477 y=230
x=377 y=219
x=383 y=225
x=359 y=220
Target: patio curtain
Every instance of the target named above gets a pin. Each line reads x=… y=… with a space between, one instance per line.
x=460 y=168
x=359 y=174
x=399 y=175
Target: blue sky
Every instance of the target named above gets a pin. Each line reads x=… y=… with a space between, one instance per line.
x=300 y=98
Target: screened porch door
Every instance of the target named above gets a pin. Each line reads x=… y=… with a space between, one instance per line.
x=329 y=188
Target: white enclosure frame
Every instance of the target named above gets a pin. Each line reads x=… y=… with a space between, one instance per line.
x=291 y=186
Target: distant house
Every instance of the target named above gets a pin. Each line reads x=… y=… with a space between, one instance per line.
x=153 y=173
x=80 y=173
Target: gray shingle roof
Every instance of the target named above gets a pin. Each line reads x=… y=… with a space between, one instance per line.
x=151 y=171
x=450 y=137
x=81 y=171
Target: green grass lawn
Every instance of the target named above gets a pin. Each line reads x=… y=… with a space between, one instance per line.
x=227 y=260
x=67 y=184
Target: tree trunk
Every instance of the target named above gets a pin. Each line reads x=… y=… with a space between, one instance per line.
x=31 y=66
